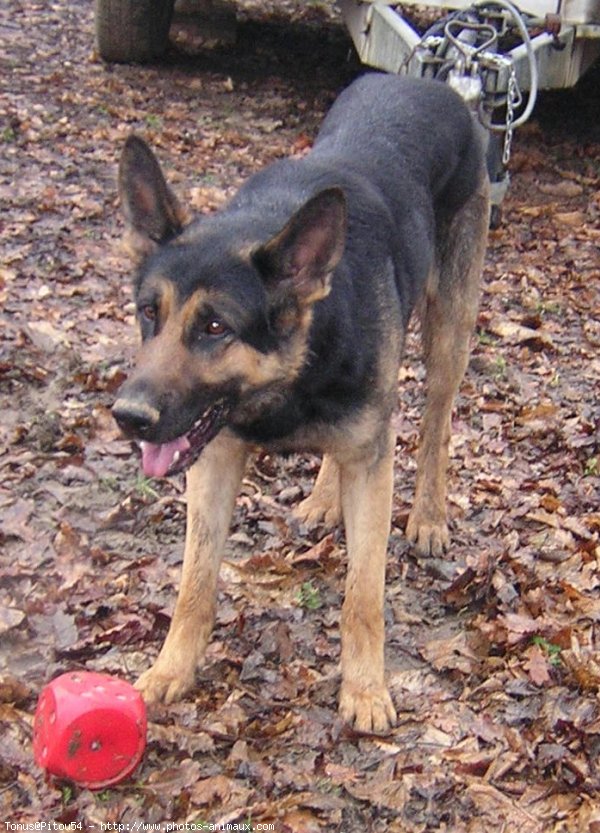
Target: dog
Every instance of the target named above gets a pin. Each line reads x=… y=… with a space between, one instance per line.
x=278 y=322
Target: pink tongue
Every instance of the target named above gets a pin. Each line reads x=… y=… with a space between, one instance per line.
x=158 y=459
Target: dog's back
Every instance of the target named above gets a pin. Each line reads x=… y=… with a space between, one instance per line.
x=279 y=322
x=406 y=135
x=408 y=155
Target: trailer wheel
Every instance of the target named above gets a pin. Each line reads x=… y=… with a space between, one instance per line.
x=132 y=31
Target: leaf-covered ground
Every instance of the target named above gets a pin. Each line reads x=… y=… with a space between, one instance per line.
x=493 y=653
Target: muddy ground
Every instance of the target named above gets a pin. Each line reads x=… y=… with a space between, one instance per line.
x=492 y=653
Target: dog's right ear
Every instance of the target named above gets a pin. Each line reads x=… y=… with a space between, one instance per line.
x=152 y=212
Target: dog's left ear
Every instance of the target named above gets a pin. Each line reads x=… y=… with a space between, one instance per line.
x=308 y=248
x=152 y=211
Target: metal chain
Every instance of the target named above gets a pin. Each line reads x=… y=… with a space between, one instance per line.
x=512 y=97
x=479 y=61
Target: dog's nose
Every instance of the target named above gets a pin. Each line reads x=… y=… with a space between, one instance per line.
x=135 y=418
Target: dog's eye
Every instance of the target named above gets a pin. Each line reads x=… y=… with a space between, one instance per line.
x=214 y=327
x=148 y=312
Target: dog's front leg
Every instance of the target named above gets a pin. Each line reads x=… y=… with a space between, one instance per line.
x=366 y=492
x=212 y=486
x=323 y=504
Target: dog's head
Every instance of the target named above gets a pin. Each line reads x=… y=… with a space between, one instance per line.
x=224 y=314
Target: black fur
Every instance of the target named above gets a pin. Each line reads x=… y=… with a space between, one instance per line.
x=406 y=155
x=280 y=322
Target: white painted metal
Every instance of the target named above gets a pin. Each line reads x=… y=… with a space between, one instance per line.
x=384 y=39
x=570 y=11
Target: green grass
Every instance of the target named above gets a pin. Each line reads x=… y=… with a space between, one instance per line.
x=308 y=597
x=143 y=486
x=592 y=467
x=549 y=648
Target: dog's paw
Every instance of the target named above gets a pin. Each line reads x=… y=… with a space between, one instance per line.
x=428 y=533
x=164 y=686
x=311 y=511
x=369 y=709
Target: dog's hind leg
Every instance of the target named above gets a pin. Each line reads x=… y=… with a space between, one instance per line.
x=212 y=486
x=366 y=492
x=448 y=317
x=323 y=504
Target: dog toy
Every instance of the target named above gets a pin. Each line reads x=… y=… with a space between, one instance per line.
x=89 y=728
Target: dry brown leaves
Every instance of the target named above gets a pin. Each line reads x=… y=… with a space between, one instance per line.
x=492 y=654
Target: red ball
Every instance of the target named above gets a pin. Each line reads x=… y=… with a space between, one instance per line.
x=89 y=728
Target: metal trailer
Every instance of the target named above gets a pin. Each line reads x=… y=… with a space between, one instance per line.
x=495 y=54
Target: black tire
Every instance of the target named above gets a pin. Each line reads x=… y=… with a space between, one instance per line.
x=132 y=31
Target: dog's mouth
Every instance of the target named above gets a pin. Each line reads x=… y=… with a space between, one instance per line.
x=162 y=459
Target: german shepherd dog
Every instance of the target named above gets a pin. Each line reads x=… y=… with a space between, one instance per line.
x=279 y=321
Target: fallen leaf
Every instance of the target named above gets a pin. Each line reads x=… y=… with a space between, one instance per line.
x=537 y=666
x=574 y=219
x=45 y=336
x=565 y=188
x=10 y=618
x=518 y=334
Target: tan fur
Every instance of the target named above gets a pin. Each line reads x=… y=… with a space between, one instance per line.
x=356 y=477
x=167 y=359
x=208 y=519
x=137 y=246
x=324 y=502
x=366 y=495
x=448 y=317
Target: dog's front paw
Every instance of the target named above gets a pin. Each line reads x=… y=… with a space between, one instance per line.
x=370 y=708
x=312 y=510
x=163 y=684
x=428 y=532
